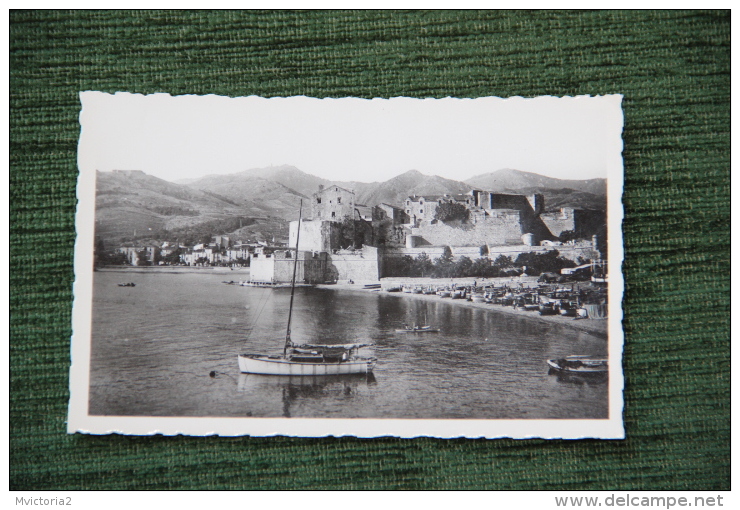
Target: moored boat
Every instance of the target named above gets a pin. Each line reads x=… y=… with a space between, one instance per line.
x=418 y=329
x=580 y=364
x=548 y=309
x=272 y=285
x=339 y=359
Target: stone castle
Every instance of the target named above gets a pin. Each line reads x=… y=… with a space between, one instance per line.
x=502 y=223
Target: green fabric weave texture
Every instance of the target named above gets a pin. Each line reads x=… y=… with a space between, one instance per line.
x=673 y=69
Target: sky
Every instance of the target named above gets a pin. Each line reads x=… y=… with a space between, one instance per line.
x=186 y=137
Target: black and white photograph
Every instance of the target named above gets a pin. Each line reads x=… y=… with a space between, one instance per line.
x=352 y=267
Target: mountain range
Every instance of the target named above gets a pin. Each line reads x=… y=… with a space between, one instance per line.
x=133 y=203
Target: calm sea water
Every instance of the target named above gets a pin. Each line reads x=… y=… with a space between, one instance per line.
x=155 y=345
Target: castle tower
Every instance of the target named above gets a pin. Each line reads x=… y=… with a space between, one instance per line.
x=537 y=201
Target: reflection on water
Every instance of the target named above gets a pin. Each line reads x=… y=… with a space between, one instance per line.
x=154 y=347
x=295 y=390
x=590 y=379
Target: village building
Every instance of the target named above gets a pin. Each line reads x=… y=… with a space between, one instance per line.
x=139 y=254
x=221 y=241
x=238 y=253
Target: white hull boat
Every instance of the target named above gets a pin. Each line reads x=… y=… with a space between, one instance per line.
x=580 y=364
x=279 y=365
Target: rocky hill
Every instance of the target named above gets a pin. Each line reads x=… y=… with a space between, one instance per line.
x=509 y=180
x=132 y=203
x=394 y=191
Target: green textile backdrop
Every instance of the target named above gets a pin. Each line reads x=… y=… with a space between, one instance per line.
x=674 y=71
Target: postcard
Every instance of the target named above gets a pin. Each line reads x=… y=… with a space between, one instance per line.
x=348 y=267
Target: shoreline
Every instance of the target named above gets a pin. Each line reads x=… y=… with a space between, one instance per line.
x=596 y=327
x=242 y=271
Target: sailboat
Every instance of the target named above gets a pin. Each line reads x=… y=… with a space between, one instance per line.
x=307 y=359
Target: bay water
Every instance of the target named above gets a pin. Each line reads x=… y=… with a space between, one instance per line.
x=169 y=346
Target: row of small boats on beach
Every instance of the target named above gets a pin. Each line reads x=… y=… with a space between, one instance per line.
x=545 y=299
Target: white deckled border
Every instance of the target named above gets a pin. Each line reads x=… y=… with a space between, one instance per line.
x=80 y=421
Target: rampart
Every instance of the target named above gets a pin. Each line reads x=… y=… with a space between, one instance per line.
x=316 y=235
x=358 y=265
x=503 y=229
x=570 y=251
x=585 y=223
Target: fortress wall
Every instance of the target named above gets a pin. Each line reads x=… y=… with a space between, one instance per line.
x=590 y=222
x=502 y=230
x=559 y=222
x=569 y=251
x=585 y=222
x=262 y=268
x=284 y=268
x=316 y=235
x=278 y=268
x=359 y=265
x=506 y=201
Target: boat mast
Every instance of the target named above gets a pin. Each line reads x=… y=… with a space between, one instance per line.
x=292 y=285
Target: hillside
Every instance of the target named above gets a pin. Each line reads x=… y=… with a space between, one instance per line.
x=256 y=195
x=508 y=179
x=132 y=204
x=566 y=197
x=394 y=191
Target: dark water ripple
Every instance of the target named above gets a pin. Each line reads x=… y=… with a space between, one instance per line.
x=154 y=346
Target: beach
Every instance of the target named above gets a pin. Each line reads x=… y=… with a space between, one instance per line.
x=597 y=327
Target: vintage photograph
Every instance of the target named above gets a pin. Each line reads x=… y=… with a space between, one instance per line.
x=309 y=267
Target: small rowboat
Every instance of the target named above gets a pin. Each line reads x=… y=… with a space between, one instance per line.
x=418 y=329
x=580 y=364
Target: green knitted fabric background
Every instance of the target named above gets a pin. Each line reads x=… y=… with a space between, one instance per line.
x=674 y=71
